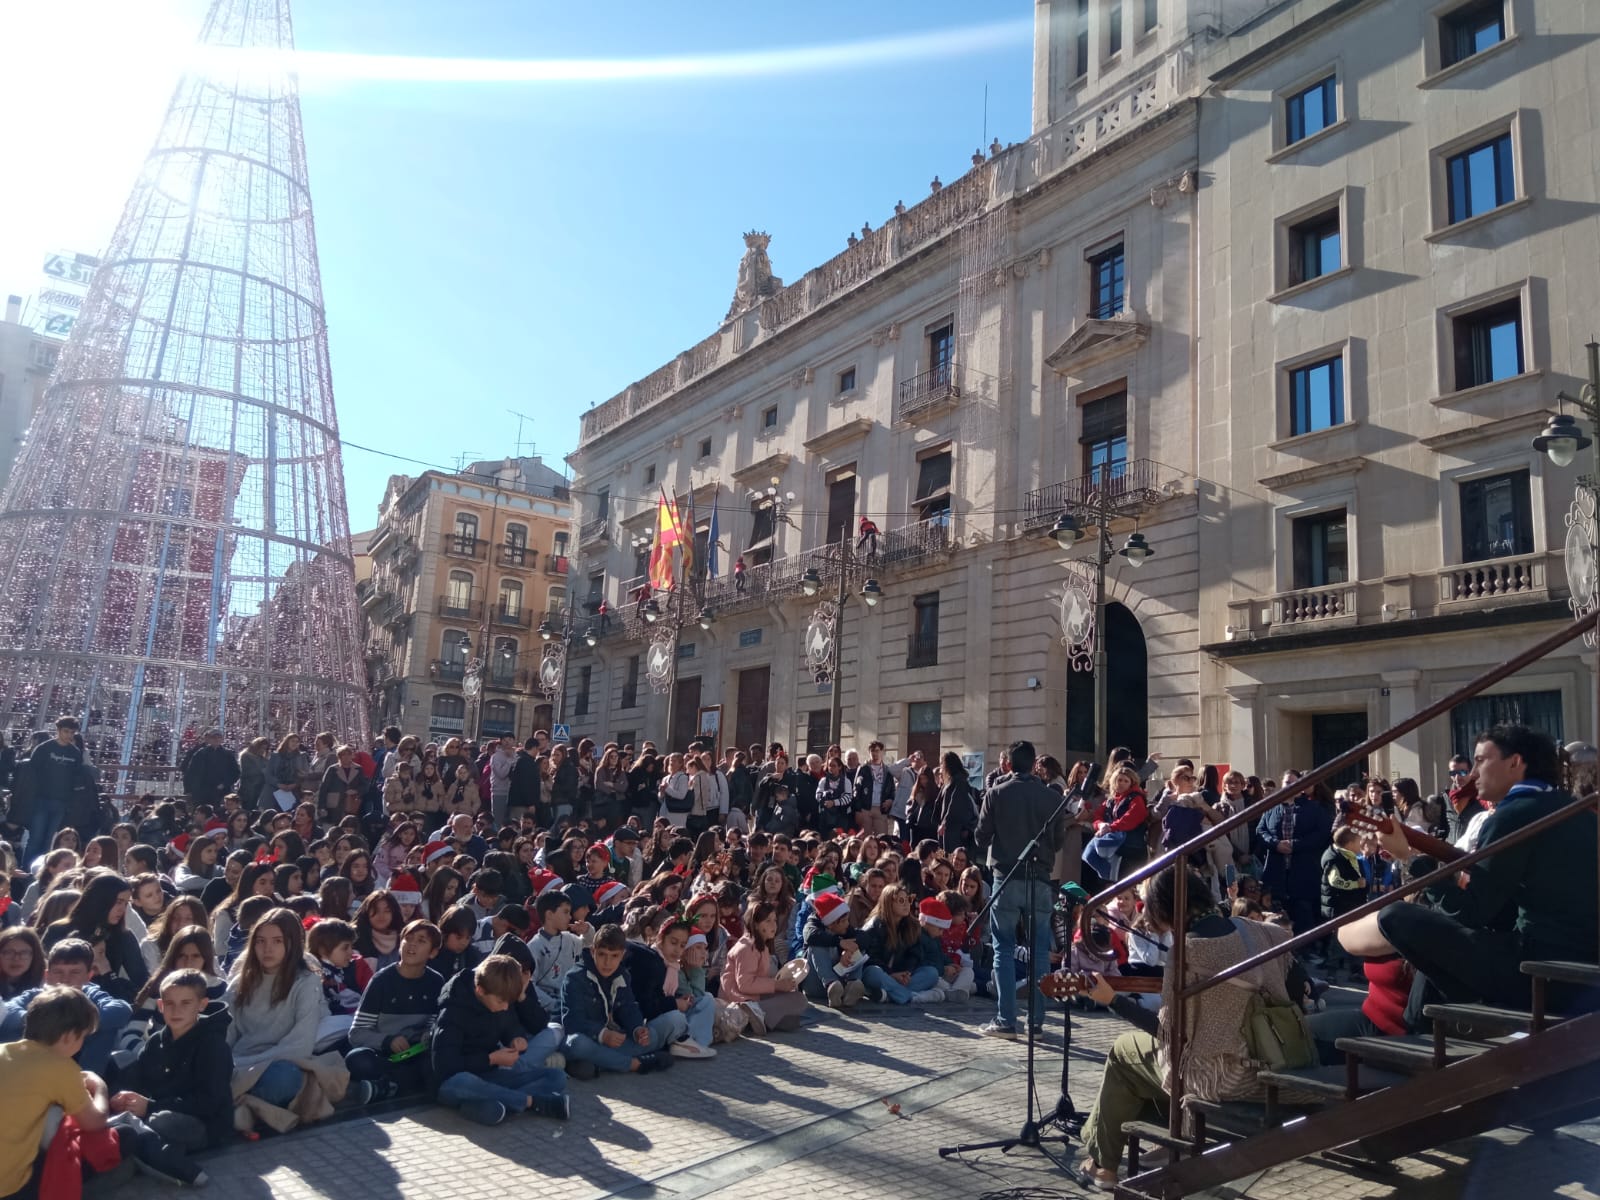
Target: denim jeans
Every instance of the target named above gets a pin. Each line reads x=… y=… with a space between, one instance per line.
x=1103 y=854
x=279 y=1083
x=541 y=1046
x=511 y=1086
x=43 y=828
x=580 y=1047
x=922 y=979
x=1016 y=900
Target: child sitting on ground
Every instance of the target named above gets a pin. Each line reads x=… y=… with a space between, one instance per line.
x=675 y=1017
x=477 y=1049
x=345 y=976
x=395 y=1017
x=769 y=998
x=955 y=977
x=601 y=1016
x=832 y=954
x=456 y=953
x=555 y=950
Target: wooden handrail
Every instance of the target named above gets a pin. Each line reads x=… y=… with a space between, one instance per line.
x=1177 y=964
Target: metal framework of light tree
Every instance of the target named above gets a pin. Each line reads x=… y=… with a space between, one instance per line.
x=174 y=540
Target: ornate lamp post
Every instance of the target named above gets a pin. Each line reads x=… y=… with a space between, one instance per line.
x=1561 y=441
x=553 y=666
x=1081 y=624
x=825 y=631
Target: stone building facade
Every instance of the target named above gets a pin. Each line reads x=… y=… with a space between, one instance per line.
x=464 y=568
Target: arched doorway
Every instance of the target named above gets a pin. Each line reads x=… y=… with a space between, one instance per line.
x=1127 y=691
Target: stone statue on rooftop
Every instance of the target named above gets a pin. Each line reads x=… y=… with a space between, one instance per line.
x=756 y=280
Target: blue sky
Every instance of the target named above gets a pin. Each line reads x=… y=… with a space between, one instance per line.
x=539 y=246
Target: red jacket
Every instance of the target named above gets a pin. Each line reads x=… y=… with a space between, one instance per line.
x=1126 y=814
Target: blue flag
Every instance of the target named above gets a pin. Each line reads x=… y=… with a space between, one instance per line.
x=711 y=542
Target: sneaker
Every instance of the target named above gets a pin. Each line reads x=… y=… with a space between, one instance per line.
x=688 y=1048
x=836 y=994
x=931 y=996
x=168 y=1171
x=556 y=1062
x=385 y=1089
x=997 y=1029
x=559 y=1107
x=360 y=1093
x=757 y=1027
x=788 y=1023
x=854 y=991
x=485 y=1112
x=655 y=1060
x=582 y=1068
x=958 y=994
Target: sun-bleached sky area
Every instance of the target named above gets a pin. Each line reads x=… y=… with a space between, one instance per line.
x=525 y=205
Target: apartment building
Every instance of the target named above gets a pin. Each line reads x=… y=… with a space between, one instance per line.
x=1398 y=243
x=464 y=568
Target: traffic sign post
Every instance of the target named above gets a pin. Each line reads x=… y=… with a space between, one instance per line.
x=561 y=733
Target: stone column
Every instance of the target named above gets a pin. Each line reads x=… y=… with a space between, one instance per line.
x=1404 y=754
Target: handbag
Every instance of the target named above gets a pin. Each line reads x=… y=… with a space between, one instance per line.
x=1276 y=1033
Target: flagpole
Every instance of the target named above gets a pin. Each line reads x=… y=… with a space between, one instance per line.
x=677 y=634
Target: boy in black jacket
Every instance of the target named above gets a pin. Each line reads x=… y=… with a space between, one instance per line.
x=672 y=1012
x=601 y=1016
x=478 y=1045
x=180 y=1086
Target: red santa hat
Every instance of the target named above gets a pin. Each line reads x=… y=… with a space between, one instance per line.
x=405 y=888
x=181 y=843
x=935 y=913
x=608 y=893
x=544 y=881
x=831 y=907
x=434 y=851
x=217 y=825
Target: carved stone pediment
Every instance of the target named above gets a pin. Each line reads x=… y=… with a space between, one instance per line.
x=765 y=469
x=1095 y=341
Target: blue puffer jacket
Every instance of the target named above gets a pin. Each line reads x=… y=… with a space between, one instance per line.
x=590 y=1001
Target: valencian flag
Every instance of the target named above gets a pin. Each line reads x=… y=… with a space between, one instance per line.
x=686 y=535
x=667 y=538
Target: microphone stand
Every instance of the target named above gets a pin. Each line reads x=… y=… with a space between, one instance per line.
x=1035 y=1128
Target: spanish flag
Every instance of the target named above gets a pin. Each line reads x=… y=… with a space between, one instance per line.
x=667 y=536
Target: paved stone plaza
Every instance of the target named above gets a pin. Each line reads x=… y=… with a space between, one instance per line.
x=808 y=1115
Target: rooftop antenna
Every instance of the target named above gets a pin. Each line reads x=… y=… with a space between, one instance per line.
x=533 y=447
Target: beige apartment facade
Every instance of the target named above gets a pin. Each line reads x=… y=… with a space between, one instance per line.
x=957 y=375
x=464 y=568
x=1399 y=245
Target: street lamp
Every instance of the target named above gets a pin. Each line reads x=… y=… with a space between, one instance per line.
x=545 y=631
x=652 y=610
x=811 y=582
x=871 y=593
x=707 y=617
x=1068 y=531
x=590 y=637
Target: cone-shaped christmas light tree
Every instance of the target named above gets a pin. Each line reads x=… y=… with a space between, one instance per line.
x=174 y=542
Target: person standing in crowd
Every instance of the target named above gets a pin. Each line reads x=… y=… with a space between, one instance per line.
x=210 y=770
x=1015 y=814
x=1295 y=834
x=253 y=785
x=500 y=764
x=876 y=783
x=47 y=785
x=958 y=809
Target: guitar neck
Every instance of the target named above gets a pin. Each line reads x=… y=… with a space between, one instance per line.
x=1422 y=843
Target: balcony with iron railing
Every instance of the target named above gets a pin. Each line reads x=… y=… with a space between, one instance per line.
x=504 y=678
x=1135 y=487
x=512 y=618
x=594 y=532
x=448 y=671
x=461 y=607
x=556 y=564
x=516 y=556
x=933 y=391
x=460 y=545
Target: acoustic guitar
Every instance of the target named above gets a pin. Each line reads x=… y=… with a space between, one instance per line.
x=1422 y=843
x=1064 y=985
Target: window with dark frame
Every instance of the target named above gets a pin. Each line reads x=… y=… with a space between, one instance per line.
x=1107 y=282
x=769 y=417
x=941 y=351
x=841 y=505
x=503 y=663
x=819 y=730
x=1488 y=344
x=1316 y=396
x=922 y=649
x=1104 y=435
x=1152 y=14
x=847 y=380
x=924 y=728
x=602 y=504
x=1471 y=29
x=580 y=706
x=1480 y=179
x=650 y=473
x=1496 y=517
x=630 y=683
x=1080 y=39
x=1114 y=29
x=1321 y=550
x=763 y=525
x=705 y=447
x=933 y=487
x=1314 y=247
x=1310 y=110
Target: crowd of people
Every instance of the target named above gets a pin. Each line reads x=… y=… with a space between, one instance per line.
x=310 y=930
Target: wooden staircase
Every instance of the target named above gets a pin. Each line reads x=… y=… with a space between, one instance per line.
x=1482 y=1068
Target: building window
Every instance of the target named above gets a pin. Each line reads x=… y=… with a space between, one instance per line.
x=650 y=474
x=559 y=546
x=1114 y=29
x=1316 y=396
x=454 y=653
x=1310 y=111
x=499 y=719
x=819 y=729
x=602 y=504
x=515 y=552
x=763 y=525
x=1105 y=436
x=1488 y=344
x=922 y=648
x=847 y=380
x=1080 y=47
x=933 y=487
x=705 y=447
x=1152 y=14
x=466 y=528
x=580 y=706
x=841 y=504
x=1537 y=710
x=630 y=683
x=769 y=417
x=1107 y=282
x=941 y=352
x=1496 y=517
x=924 y=725
x=1471 y=29
x=597 y=592
x=458 y=596
x=503 y=663
x=448 y=713
x=1321 y=553
x=1314 y=247
x=1480 y=179
x=510 y=599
